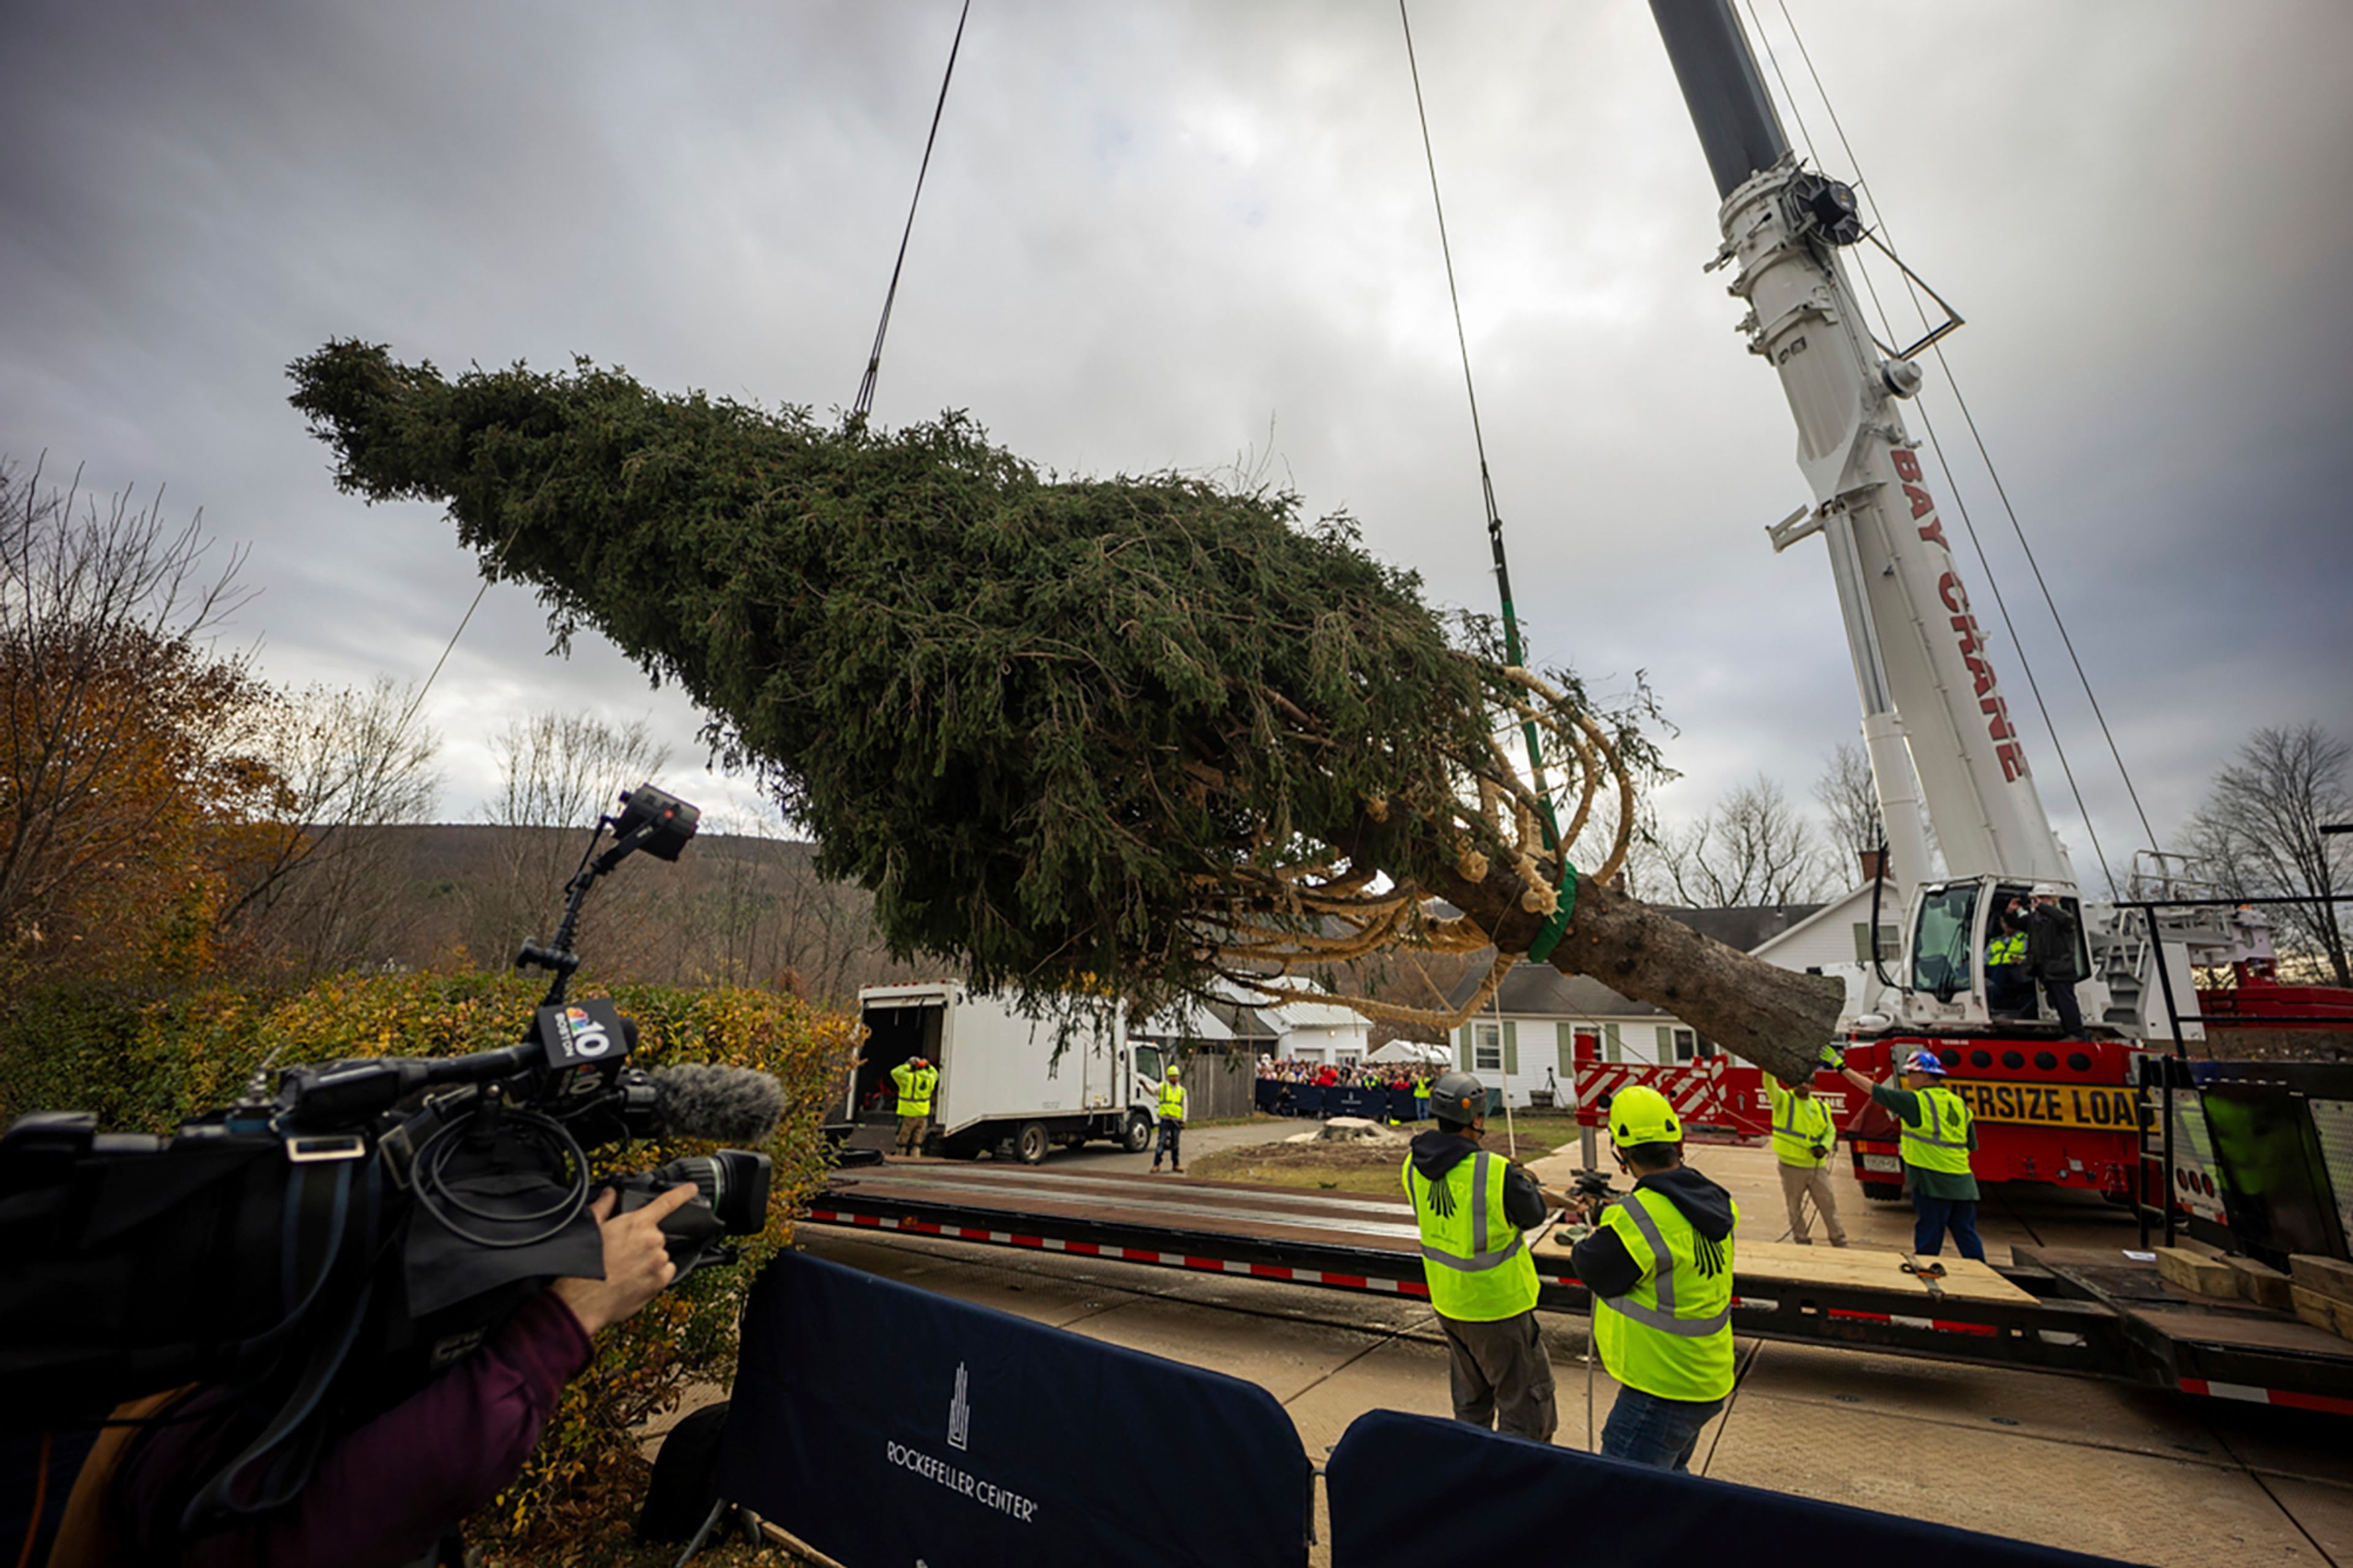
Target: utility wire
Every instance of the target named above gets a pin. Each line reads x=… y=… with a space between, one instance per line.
x=1992 y=471
x=1513 y=652
x=864 y=401
x=1928 y=427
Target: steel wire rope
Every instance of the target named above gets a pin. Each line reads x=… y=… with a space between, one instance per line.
x=864 y=401
x=1514 y=655
x=1993 y=470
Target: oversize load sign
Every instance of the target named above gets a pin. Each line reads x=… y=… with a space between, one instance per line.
x=2104 y=1108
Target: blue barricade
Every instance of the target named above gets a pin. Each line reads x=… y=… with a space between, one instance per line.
x=1356 y=1101
x=1402 y=1104
x=1268 y=1096
x=885 y=1425
x=1531 y=1502
x=1307 y=1098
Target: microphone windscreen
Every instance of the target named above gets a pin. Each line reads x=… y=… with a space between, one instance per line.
x=729 y=1105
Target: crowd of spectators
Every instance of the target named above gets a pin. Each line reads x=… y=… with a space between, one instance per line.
x=1344 y=1075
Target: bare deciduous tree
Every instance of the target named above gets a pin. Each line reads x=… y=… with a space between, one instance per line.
x=320 y=882
x=1752 y=848
x=2259 y=836
x=557 y=773
x=1848 y=795
x=123 y=732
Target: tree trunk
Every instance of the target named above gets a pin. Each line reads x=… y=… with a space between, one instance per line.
x=1776 y=1017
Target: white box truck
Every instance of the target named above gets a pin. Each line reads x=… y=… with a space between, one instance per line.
x=1004 y=1086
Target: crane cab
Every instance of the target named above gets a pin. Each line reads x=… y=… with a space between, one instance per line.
x=1948 y=980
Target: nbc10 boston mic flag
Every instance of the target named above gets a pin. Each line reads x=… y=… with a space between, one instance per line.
x=884 y=1425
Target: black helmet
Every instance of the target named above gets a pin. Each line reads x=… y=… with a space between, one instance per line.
x=1458 y=1097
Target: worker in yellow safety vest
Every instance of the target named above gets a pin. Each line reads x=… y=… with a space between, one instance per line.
x=1421 y=1097
x=1472 y=1206
x=1659 y=1263
x=1172 y=1124
x=1804 y=1137
x=915 y=1079
x=2009 y=988
x=1939 y=1133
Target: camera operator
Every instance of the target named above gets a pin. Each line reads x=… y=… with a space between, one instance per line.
x=392 y=1489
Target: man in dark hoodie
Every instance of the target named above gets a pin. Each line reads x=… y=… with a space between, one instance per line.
x=1659 y=1264
x=1472 y=1206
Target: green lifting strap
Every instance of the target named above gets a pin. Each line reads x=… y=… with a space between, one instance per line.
x=1555 y=928
x=1549 y=938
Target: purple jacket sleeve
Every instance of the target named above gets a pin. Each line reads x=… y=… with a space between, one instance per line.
x=390 y=1489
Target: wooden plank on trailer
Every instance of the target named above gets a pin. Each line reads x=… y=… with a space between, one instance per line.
x=2196 y=1271
x=1861 y=1267
x=2322 y=1276
x=2312 y=1306
x=1965 y=1278
x=2239 y=1331
x=2259 y=1282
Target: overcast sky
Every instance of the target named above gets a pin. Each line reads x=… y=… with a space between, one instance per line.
x=1166 y=235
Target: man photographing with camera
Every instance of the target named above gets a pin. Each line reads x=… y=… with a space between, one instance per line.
x=343 y=1309
x=391 y=1491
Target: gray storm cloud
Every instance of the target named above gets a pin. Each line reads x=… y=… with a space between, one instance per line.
x=1192 y=235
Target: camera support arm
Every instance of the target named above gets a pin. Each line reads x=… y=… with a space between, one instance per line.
x=652 y=820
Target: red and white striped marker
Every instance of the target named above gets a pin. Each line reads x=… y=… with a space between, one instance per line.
x=1324 y=1277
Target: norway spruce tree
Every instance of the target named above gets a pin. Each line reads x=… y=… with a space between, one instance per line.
x=1129 y=737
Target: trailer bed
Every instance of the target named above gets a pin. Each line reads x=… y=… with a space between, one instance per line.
x=1369 y=1243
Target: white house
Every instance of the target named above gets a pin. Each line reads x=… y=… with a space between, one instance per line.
x=1529 y=1035
x=1301 y=1031
x=1835 y=941
x=1319 y=1032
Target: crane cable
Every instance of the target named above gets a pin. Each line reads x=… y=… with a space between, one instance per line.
x=1554 y=928
x=1952 y=483
x=864 y=403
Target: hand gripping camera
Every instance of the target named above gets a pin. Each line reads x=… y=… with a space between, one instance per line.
x=361 y=1224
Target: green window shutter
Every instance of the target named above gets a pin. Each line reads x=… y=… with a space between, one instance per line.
x=1511 y=1047
x=1612 y=1048
x=1862 y=942
x=1564 y=1048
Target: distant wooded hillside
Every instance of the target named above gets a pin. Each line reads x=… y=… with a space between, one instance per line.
x=733 y=909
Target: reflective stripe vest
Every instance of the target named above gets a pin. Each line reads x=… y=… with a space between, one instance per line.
x=1172 y=1100
x=914 y=1088
x=1671 y=1335
x=2010 y=949
x=1798 y=1126
x=1421 y=1089
x=1941 y=1141
x=1472 y=1253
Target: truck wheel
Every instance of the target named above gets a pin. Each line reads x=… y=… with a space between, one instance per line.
x=1031 y=1144
x=1883 y=1192
x=1136 y=1136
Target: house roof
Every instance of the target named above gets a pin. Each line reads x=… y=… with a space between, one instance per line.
x=1312 y=1015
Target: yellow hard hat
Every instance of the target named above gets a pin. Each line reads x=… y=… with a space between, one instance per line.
x=1172 y=1070
x=1640 y=1114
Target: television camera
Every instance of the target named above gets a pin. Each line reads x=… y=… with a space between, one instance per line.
x=337 y=1237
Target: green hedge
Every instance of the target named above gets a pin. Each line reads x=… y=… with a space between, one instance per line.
x=147 y=1064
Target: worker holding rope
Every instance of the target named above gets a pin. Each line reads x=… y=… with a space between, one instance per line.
x=1659 y=1264
x=1474 y=1208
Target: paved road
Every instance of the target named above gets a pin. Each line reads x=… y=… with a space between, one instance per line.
x=2138 y=1474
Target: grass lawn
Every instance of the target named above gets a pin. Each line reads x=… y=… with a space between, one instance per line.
x=1353 y=1167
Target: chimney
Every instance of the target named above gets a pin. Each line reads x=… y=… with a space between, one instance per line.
x=1873 y=864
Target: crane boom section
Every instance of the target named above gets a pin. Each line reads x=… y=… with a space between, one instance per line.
x=1872 y=499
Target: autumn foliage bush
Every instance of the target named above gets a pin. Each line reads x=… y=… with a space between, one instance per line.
x=145 y=1064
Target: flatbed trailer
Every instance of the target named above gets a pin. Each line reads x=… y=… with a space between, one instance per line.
x=2083 y=1312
